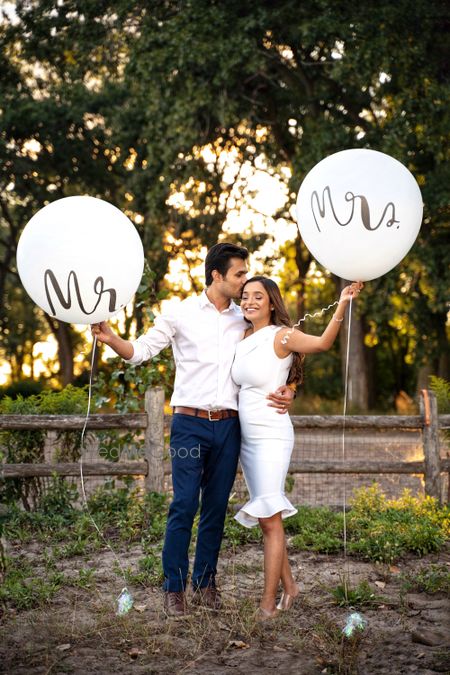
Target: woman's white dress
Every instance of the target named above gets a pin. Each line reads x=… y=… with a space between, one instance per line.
x=267 y=436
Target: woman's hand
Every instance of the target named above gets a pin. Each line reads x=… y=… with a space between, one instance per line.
x=351 y=291
x=281 y=399
x=103 y=332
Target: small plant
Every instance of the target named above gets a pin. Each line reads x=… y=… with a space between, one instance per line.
x=433 y=579
x=316 y=529
x=441 y=388
x=358 y=596
x=335 y=652
x=84 y=579
x=150 y=571
x=23 y=590
x=128 y=514
x=236 y=535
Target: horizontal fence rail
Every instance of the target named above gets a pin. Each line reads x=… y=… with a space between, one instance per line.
x=128 y=468
x=74 y=422
x=140 y=468
x=154 y=466
x=357 y=421
x=140 y=421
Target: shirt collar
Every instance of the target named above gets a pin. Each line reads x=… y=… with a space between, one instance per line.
x=204 y=301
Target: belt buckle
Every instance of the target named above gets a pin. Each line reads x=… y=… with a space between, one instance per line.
x=214 y=411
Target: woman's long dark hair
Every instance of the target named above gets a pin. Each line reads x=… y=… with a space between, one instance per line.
x=280 y=317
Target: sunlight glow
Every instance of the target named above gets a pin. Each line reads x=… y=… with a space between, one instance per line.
x=5 y=373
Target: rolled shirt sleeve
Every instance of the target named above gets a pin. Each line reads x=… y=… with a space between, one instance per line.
x=158 y=337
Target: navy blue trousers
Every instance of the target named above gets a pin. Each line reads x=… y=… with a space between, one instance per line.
x=204 y=461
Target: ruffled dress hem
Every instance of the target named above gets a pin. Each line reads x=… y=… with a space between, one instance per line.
x=263 y=507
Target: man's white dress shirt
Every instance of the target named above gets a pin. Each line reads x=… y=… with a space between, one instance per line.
x=203 y=342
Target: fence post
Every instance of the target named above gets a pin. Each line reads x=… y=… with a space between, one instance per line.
x=431 y=450
x=154 y=439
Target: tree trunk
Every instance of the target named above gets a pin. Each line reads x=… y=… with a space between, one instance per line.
x=65 y=353
x=303 y=261
x=443 y=350
x=423 y=377
x=358 y=372
x=62 y=333
x=437 y=364
x=96 y=360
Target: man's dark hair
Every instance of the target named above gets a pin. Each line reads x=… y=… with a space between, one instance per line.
x=219 y=257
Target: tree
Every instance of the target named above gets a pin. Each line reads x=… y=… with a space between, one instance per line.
x=53 y=142
x=162 y=107
x=290 y=84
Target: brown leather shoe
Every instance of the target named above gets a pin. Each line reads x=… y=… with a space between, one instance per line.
x=175 y=604
x=208 y=597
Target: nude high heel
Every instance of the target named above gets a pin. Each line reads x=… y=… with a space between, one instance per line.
x=266 y=614
x=286 y=601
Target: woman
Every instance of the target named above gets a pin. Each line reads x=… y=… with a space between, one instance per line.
x=271 y=354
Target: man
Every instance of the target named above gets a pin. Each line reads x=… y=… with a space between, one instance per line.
x=205 y=435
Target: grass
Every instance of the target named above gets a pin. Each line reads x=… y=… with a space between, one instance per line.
x=358 y=596
x=149 y=571
x=379 y=530
x=23 y=589
x=432 y=579
x=316 y=529
x=335 y=652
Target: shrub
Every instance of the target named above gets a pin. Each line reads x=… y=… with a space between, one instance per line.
x=316 y=529
x=359 y=596
x=382 y=530
x=237 y=535
x=433 y=579
x=441 y=388
x=27 y=446
x=129 y=513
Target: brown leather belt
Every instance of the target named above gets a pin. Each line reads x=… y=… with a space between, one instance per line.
x=212 y=415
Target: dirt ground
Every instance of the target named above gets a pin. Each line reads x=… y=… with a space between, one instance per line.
x=78 y=631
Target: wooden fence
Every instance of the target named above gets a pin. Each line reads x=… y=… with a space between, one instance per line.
x=154 y=465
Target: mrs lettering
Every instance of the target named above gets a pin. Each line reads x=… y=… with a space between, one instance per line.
x=320 y=206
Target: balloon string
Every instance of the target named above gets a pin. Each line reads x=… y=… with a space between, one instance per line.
x=319 y=312
x=347 y=359
x=83 y=491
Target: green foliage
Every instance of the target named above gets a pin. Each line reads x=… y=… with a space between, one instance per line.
x=384 y=529
x=315 y=529
x=123 y=515
x=378 y=528
x=150 y=572
x=359 y=596
x=432 y=579
x=23 y=388
x=121 y=386
x=289 y=483
x=236 y=535
x=21 y=588
x=23 y=446
x=59 y=498
x=441 y=388
x=128 y=514
x=274 y=92
x=85 y=578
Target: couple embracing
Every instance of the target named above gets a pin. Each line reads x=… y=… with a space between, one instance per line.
x=236 y=373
